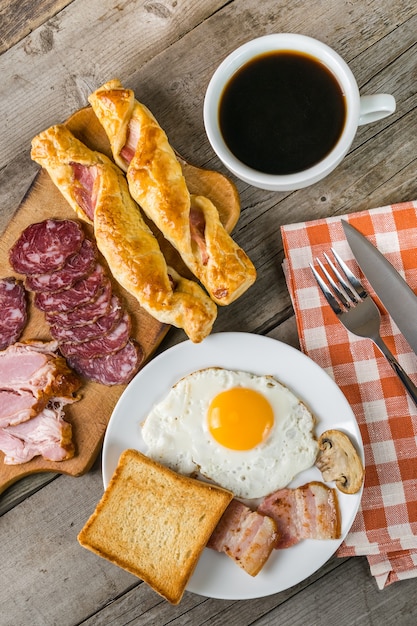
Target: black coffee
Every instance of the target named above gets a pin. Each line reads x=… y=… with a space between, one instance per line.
x=282 y=112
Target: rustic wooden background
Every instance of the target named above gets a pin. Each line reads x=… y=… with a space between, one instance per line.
x=53 y=55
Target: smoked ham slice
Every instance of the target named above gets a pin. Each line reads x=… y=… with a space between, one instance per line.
x=34 y=366
x=36 y=384
x=245 y=536
x=17 y=407
x=47 y=434
x=307 y=512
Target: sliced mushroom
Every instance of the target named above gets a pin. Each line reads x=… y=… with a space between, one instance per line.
x=338 y=460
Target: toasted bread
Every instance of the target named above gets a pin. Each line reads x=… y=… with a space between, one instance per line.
x=154 y=523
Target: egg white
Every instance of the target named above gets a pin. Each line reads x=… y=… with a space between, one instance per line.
x=176 y=434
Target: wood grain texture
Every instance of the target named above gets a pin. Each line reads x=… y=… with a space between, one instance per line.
x=20 y=17
x=167 y=51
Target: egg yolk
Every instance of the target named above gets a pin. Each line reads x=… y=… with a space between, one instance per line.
x=240 y=418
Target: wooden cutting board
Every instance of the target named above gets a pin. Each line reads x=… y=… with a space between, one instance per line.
x=89 y=417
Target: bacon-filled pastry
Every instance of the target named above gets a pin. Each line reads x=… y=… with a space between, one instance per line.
x=190 y=223
x=97 y=191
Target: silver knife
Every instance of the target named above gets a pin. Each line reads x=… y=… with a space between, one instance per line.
x=397 y=297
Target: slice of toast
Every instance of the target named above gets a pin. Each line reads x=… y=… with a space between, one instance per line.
x=154 y=523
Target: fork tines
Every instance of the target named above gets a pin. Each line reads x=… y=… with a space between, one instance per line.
x=345 y=290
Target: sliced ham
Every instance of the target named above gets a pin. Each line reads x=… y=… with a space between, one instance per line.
x=246 y=536
x=76 y=267
x=18 y=406
x=35 y=367
x=13 y=311
x=47 y=434
x=307 y=512
x=45 y=246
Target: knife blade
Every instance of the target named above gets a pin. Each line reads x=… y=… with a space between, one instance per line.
x=395 y=294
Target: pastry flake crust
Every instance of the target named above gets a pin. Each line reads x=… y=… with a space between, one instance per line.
x=156 y=181
x=97 y=191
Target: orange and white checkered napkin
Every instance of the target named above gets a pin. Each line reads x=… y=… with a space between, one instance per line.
x=385 y=529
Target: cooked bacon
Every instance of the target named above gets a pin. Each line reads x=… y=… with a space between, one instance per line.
x=307 y=512
x=47 y=434
x=128 y=151
x=84 y=192
x=245 y=536
x=35 y=367
x=197 y=229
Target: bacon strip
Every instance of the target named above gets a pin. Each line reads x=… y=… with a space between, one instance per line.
x=197 y=219
x=245 y=536
x=85 y=176
x=197 y=228
x=307 y=512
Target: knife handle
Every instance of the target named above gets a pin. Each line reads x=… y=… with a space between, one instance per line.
x=405 y=379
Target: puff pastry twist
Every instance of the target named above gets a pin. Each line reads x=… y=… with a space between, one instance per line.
x=191 y=223
x=97 y=191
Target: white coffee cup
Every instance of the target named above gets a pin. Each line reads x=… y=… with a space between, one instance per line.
x=359 y=109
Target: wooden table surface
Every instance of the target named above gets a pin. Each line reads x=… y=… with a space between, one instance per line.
x=54 y=53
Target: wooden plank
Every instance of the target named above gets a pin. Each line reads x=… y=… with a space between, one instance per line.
x=170 y=52
x=20 y=17
x=57 y=65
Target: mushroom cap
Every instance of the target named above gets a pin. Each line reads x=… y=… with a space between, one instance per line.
x=338 y=460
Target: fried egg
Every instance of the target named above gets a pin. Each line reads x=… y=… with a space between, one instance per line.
x=249 y=434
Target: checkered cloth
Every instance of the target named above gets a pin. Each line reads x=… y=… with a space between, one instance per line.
x=385 y=529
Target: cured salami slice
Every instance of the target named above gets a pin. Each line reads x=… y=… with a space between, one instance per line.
x=84 y=291
x=45 y=246
x=76 y=267
x=87 y=313
x=113 y=369
x=13 y=311
x=86 y=332
x=107 y=344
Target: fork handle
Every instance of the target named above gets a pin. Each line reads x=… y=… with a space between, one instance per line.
x=405 y=379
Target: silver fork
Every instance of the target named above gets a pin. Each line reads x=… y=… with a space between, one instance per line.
x=356 y=310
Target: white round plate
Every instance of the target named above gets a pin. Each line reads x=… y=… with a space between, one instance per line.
x=216 y=575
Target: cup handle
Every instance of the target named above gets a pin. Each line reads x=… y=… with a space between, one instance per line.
x=375 y=107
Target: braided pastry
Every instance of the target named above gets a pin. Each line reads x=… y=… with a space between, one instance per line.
x=190 y=223
x=97 y=191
